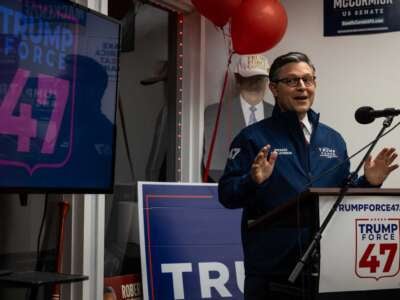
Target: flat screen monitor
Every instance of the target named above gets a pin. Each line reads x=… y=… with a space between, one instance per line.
x=58 y=94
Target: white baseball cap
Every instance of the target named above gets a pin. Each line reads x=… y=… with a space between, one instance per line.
x=252 y=65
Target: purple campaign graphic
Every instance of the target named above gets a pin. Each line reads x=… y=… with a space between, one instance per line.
x=57 y=96
x=190 y=244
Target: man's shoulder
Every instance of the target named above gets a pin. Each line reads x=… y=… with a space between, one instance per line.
x=268 y=106
x=232 y=105
x=327 y=130
x=212 y=109
x=262 y=127
x=212 y=106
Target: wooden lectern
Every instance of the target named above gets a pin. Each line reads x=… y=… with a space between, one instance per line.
x=359 y=253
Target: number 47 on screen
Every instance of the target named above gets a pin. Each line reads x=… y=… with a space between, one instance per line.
x=23 y=126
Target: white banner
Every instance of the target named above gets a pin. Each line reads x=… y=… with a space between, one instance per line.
x=360 y=246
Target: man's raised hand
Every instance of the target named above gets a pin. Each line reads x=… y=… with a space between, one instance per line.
x=263 y=166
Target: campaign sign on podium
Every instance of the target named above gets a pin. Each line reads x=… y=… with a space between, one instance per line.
x=190 y=245
x=360 y=246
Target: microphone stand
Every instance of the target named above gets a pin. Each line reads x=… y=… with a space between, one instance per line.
x=318 y=235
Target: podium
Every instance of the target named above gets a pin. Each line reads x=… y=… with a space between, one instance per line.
x=359 y=253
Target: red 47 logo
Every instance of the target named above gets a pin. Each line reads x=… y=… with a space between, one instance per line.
x=377 y=248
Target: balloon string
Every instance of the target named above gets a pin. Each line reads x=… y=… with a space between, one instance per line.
x=216 y=125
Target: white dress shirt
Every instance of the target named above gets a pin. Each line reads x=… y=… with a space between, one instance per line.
x=246 y=110
x=307 y=128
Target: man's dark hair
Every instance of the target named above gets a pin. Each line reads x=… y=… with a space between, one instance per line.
x=291 y=57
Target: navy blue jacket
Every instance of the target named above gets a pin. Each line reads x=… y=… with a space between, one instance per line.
x=297 y=168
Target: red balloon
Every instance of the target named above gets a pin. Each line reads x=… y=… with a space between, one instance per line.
x=257 y=26
x=217 y=11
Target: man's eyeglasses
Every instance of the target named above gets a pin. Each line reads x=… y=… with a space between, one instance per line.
x=294 y=81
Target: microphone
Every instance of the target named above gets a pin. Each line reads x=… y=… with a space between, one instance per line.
x=366 y=114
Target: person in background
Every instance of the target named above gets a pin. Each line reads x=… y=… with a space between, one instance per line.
x=276 y=159
x=246 y=108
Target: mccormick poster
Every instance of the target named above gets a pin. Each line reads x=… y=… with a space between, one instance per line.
x=190 y=245
x=347 y=17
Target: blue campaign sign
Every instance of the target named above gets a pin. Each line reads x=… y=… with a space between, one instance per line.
x=190 y=244
x=346 y=17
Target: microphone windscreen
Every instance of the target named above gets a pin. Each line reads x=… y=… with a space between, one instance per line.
x=364 y=115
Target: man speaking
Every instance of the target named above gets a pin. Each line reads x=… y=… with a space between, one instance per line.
x=273 y=161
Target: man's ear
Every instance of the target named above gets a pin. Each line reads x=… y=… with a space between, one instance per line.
x=272 y=88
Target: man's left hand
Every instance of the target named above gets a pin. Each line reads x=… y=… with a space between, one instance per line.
x=376 y=170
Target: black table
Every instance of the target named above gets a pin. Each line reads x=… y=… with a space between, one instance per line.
x=33 y=280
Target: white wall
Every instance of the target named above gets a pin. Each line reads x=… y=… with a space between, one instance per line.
x=352 y=71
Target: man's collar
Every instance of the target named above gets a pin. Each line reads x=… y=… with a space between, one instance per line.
x=292 y=118
x=307 y=123
x=246 y=104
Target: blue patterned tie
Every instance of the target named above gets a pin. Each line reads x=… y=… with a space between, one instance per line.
x=252 y=118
